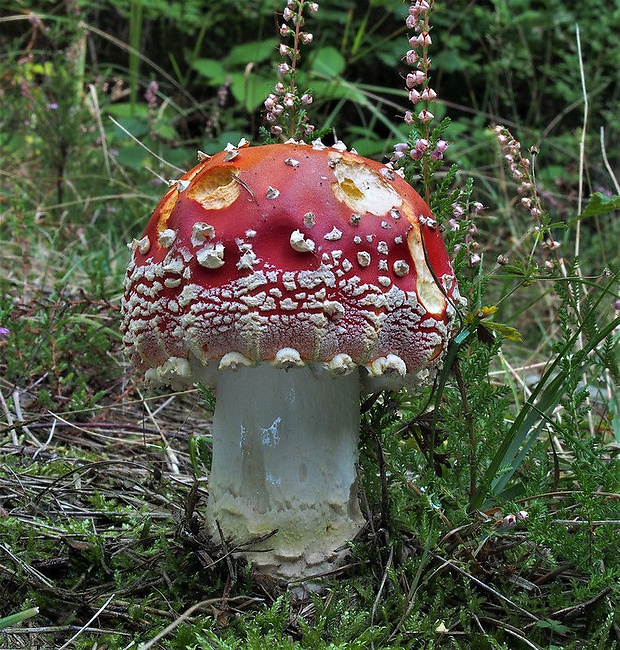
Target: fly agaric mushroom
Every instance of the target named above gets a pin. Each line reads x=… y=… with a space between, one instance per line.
x=289 y=277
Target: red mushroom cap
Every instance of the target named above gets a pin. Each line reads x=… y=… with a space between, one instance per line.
x=289 y=253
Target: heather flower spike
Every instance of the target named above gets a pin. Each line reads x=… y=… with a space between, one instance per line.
x=285 y=109
x=426 y=147
x=521 y=171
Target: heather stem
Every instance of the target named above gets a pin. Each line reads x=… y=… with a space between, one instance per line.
x=427 y=129
x=298 y=24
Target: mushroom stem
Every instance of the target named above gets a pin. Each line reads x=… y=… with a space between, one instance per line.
x=284 y=457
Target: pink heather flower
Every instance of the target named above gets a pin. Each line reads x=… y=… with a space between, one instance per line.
x=425 y=116
x=436 y=155
x=276 y=129
x=411 y=21
x=269 y=103
x=423 y=39
x=306 y=98
x=415 y=78
x=279 y=88
x=34 y=20
x=307 y=38
x=522 y=515
x=284 y=49
x=509 y=521
x=428 y=94
x=309 y=129
x=285 y=30
x=416 y=154
x=442 y=146
x=289 y=101
x=457 y=210
x=420 y=7
x=421 y=144
x=411 y=57
x=408 y=118
x=401 y=149
x=616 y=304
x=4 y=332
x=314 y=7
x=287 y=14
x=454 y=224
x=284 y=68
x=222 y=94
x=414 y=96
x=477 y=207
x=151 y=94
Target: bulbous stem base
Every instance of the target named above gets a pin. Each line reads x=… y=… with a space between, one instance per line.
x=284 y=457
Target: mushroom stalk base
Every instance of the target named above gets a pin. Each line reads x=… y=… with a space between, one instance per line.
x=284 y=457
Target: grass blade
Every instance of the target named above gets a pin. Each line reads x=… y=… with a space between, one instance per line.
x=13 y=619
x=544 y=398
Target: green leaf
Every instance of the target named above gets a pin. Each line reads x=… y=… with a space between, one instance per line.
x=368 y=146
x=165 y=130
x=211 y=69
x=251 y=52
x=13 y=619
x=137 y=126
x=132 y=156
x=550 y=624
x=599 y=204
x=127 y=110
x=328 y=62
x=506 y=331
x=250 y=89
